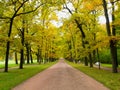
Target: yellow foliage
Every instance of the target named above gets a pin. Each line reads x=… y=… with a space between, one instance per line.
x=92 y=4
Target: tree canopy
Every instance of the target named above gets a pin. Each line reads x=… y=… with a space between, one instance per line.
x=27 y=28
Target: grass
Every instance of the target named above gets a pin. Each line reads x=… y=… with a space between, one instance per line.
x=106 y=65
x=109 y=79
x=17 y=76
x=11 y=64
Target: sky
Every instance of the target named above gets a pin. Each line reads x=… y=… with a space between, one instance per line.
x=64 y=14
x=102 y=19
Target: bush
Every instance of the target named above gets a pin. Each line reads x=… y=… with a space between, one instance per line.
x=106 y=58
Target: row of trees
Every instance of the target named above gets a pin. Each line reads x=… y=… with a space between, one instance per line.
x=93 y=36
x=26 y=29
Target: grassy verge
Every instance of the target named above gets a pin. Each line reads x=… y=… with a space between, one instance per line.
x=107 y=65
x=10 y=65
x=109 y=79
x=17 y=76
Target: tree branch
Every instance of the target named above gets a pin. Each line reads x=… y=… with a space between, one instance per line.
x=30 y=11
x=19 y=8
x=66 y=7
x=5 y=17
x=76 y=21
x=33 y=33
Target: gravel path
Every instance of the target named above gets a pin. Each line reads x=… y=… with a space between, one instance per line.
x=60 y=76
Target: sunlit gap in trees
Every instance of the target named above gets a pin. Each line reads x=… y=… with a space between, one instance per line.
x=102 y=20
x=62 y=15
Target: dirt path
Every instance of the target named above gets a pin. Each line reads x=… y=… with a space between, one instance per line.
x=61 y=76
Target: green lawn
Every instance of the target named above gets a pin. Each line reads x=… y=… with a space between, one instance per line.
x=16 y=76
x=109 y=79
x=11 y=64
x=106 y=65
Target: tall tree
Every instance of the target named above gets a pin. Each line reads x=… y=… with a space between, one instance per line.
x=114 y=30
x=10 y=30
x=112 y=42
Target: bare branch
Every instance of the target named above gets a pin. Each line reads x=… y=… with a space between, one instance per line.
x=33 y=33
x=4 y=17
x=76 y=21
x=19 y=8
x=30 y=11
x=66 y=7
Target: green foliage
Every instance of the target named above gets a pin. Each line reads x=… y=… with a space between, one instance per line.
x=37 y=16
x=105 y=56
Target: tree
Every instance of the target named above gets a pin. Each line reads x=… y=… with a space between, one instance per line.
x=85 y=24
x=112 y=42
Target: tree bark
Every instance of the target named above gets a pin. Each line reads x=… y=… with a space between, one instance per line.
x=22 y=39
x=22 y=49
x=16 y=59
x=85 y=58
x=21 y=59
x=86 y=61
x=31 y=58
x=98 y=57
x=8 y=45
x=112 y=44
x=94 y=55
x=114 y=31
x=7 y=56
x=28 y=53
x=91 y=61
x=113 y=56
x=38 y=56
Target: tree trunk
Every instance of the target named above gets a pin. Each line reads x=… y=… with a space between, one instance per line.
x=21 y=59
x=113 y=56
x=28 y=53
x=16 y=59
x=86 y=61
x=98 y=58
x=112 y=45
x=114 y=31
x=94 y=51
x=31 y=58
x=107 y=18
x=22 y=40
x=7 y=56
x=94 y=55
x=8 y=45
x=91 y=61
x=38 y=56
x=22 y=49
